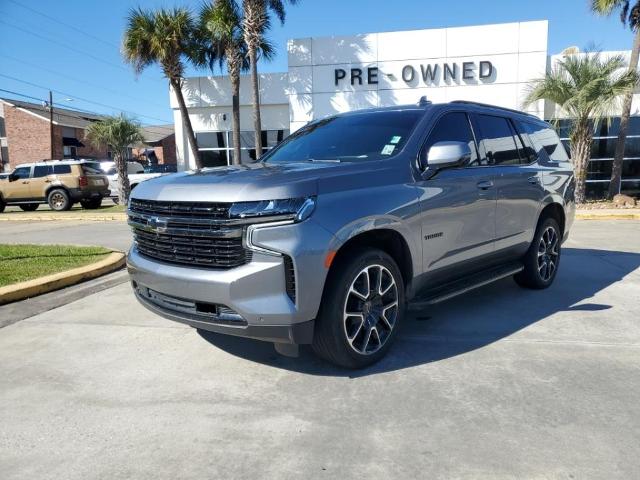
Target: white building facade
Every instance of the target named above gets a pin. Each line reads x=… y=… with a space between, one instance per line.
x=490 y=64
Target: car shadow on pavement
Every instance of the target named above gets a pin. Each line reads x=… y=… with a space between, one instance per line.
x=470 y=321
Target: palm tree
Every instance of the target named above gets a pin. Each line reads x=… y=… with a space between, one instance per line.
x=629 y=15
x=587 y=89
x=118 y=134
x=167 y=38
x=222 y=42
x=255 y=23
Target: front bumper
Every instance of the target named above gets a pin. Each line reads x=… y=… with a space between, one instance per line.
x=256 y=291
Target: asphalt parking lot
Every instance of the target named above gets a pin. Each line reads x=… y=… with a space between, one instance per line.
x=500 y=383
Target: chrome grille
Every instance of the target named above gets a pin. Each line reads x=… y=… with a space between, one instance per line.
x=206 y=210
x=164 y=231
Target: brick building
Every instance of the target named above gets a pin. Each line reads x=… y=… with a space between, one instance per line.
x=25 y=136
x=159 y=145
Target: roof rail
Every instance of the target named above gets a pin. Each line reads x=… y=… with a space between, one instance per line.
x=479 y=104
x=423 y=102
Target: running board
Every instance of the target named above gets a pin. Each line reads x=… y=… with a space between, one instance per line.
x=464 y=285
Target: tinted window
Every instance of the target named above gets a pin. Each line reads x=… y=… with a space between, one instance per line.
x=22 y=172
x=353 y=138
x=212 y=139
x=453 y=127
x=525 y=149
x=42 y=171
x=545 y=141
x=61 y=169
x=497 y=138
x=92 y=169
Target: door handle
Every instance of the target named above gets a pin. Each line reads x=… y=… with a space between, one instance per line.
x=533 y=180
x=25 y=181
x=484 y=184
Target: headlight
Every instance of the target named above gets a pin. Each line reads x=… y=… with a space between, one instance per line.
x=297 y=209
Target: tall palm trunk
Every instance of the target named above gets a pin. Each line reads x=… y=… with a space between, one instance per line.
x=176 y=84
x=123 y=177
x=616 y=171
x=254 y=21
x=581 y=138
x=234 y=63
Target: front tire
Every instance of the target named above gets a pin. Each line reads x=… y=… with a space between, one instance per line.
x=362 y=308
x=29 y=207
x=2 y=205
x=59 y=200
x=542 y=260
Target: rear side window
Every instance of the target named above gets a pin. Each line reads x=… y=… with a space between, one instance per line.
x=61 y=169
x=496 y=136
x=91 y=169
x=545 y=141
x=453 y=127
x=42 y=171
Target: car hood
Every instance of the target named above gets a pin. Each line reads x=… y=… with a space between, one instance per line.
x=257 y=181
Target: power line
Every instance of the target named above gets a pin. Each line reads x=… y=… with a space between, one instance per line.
x=53 y=40
x=73 y=27
x=82 y=99
x=21 y=95
x=38 y=67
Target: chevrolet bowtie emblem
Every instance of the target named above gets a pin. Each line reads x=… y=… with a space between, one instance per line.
x=158 y=224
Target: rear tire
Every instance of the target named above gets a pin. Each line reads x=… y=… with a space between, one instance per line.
x=362 y=308
x=2 y=205
x=542 y=260
x=29 y=207
x=91 y=204
x=59 y=200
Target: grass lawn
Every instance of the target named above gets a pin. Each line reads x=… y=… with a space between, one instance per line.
x=76 y=211
x=25 y=262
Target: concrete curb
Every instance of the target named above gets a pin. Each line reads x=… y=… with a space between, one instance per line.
x=118 y=217
x=608 y=216
x=56 y=281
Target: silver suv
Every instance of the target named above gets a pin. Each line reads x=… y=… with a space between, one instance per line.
x=333 y=234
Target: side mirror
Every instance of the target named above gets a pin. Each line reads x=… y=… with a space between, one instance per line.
x=443 y=155
x=12 y=177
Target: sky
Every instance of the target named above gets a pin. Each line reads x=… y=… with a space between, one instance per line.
x=72 y=46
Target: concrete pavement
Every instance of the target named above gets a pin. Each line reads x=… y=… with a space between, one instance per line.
x=501 y=383
x=116 y=235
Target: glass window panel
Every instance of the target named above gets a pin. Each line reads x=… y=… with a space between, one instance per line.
x=453 y=127
x=497 y=138
x=61 y=169
x=355 y=137
x=247 y=140
x=245 y=156
x=213 y=158
x=211 y=139
x=22 y=172
x=42 y=171
x=545 y=141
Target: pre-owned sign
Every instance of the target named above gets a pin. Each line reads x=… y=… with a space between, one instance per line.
x=430 y=73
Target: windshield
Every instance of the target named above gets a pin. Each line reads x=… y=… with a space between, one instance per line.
x=351 y=138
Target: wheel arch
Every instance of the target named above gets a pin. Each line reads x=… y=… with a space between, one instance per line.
x=388 y=240
x=55 y=187
x=556 y=211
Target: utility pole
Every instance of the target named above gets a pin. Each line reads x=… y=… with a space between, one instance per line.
x=51 y=122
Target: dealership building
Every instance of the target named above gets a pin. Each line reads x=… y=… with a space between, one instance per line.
x=326 y=75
